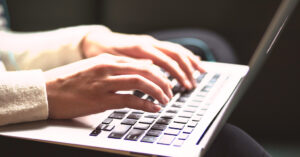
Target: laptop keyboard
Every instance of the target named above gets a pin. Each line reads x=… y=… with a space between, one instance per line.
x=170 y=126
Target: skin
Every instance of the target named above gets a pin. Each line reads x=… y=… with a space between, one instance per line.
x=174 y=58
x=118 y=62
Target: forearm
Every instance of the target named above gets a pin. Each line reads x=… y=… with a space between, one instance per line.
x=43 y=50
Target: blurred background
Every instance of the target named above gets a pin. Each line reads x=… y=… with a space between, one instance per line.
x=270 y=110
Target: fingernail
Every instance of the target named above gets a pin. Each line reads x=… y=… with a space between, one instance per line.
x=194 y=83
x=166 y=100
x=156 y=108
x=188 y=83
x=170 y=93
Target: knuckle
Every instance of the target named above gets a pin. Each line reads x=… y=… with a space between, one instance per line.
x=104 y=68
x=158 y=91
x=146 y=70
x=138 y=48
x=129 y=100
x=144 y=105
x=174 y=64
x=137 y=80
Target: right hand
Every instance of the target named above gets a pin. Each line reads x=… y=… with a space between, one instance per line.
x=89 y=86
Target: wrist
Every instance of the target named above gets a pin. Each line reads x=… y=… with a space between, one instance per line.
x=86 y=45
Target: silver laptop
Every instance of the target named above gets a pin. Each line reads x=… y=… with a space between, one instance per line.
x=185 y=127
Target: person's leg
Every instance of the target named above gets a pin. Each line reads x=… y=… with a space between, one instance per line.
x=234 y=142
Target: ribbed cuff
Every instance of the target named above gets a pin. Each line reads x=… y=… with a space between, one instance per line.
x=23 y=97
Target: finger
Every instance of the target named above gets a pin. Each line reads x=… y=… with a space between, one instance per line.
x=179 y=56
x=149 y=71
x=136 y=82
x=171 y=65
x=161 y=60
x=195 y=60
x=123 y=59
x=131 y=101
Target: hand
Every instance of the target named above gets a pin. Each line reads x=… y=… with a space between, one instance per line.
x=90 y=85
x=174 y=58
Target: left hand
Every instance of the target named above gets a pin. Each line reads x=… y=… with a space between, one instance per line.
x=174 y=58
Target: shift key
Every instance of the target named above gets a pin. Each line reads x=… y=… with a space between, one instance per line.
x=119 y=131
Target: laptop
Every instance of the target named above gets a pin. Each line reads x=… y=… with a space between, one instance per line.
x=187 y=125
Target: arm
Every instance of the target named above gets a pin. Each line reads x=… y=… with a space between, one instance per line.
x=22 y=97
x=43 y=50
x=85 y=87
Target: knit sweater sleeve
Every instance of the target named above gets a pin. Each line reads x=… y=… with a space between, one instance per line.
x=43 y=50
x=22 y=97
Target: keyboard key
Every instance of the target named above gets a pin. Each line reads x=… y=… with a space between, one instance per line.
x=193 y=105
x=178 y=126
x=178 y=143
x=183 y=136
x=141 y=126
x=170 y=77
x=134 y=134
x=201 y=95
x=149 y=139
x=163 y=121
x=200 y=77
x=116 y=115
x=214 y=78
x=134 y=116
x=192 y=124
x=124 y=110
x=155 y=133
x=198 y=99
x=107 y=121
x=166 y=139
x=185 y=114
x=181 y=120
x=95 y=132
x=172 y=131
x=177 y=105
x=187 y=130
x=201 y=112
x=182 y=99
x=205 y=106
x=138 y=93
x=101 y=126
x=187 y=93
x=159 y=127
x=108 y=127
x=138 y=111
x=119 y=131
x=168 y=116
x=178 y=89
x=190 y=109
x=152 y=115
x=172 y=111
x=146 y=120
x=196 y=118
x=150 y=98
x=129 y=121
x=206 y=88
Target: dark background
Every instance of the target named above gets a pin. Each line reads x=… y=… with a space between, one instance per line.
x=270 y=109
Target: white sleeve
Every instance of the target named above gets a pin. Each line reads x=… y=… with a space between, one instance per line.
x=43 y=50
x=22 y=97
